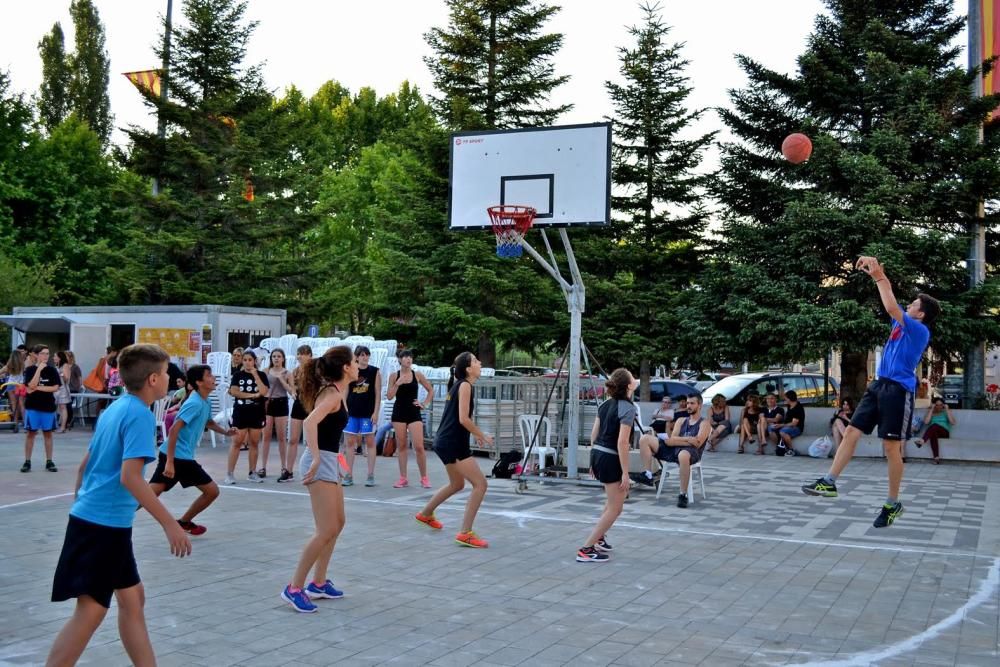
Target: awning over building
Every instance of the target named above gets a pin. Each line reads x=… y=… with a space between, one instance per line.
x=30 y=324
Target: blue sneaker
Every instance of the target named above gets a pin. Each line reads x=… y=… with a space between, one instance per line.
x=298 y=599
x=325 y=591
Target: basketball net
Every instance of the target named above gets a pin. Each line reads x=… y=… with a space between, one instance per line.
x=510 y=223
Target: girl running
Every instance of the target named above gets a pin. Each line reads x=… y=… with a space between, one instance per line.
x=406 y=417
x=303 y=354
x=451 y=444
x=610 y=440
x=248 y=387
x=323 y=392
x=276 y=410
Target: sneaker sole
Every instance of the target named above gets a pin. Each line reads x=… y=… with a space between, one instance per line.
x=301 y=611
x=472 y=546
x=591 y=560
x=818 y=494
x=424 y=523
x=604 y=550
x=323 y=596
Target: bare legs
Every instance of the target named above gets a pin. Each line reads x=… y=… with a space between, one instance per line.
x=648 y=446
x=209 y=492
x=416 y=432
x=353 y=441
x=87 y=617
x=291 y=457
x=29 y=444
x=280 y=426
x=458 y=473
x=250 y=436
x=327 y=500
x=612 y=510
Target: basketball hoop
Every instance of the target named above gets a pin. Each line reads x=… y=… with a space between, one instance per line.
x=510 y=224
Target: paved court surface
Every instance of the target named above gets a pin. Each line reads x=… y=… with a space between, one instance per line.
x=757 y=574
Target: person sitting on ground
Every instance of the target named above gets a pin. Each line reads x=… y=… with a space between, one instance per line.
x=840 y=421
x=663 y=417
x=722 y=424
x=795 y=421
x=751 y=425
x=774 y=415
x=939 y=421
x=683 y=447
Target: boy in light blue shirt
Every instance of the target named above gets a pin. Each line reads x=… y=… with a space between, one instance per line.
x=97 y=559
x=176 y=459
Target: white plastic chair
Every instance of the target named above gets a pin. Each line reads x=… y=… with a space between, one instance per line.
x=221 y=363
x=527 y=425
x=220 y=407
x=695 y=468
x=268 y=344
x=159 y=412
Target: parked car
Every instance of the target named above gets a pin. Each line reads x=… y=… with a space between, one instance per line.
x=951 y=390
x=506 y=372
x=531 y=371
x=808 y=387
x=659 y=387
x=591 y=386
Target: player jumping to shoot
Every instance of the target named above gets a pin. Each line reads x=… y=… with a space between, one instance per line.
x=888 y=401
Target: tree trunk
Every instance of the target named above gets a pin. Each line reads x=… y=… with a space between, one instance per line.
x=853 y=374
x=487 y=351
x=644 y=380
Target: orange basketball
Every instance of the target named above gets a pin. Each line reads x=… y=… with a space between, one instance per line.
x=796 y=148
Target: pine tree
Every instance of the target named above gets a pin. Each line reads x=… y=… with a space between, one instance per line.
x=90 y=66
x=896 y=172
x=659 y=218
x=53 y=101
x=493 y=64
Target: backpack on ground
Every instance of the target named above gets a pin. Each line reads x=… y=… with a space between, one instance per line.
x=506 y=464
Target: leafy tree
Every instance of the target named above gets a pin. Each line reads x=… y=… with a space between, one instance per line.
x=896 y=172
x=493 y=64
x=90 y=69
x=659 y=221
x=54 y=102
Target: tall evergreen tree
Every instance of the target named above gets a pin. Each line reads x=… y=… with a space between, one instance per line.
x=493 y=64
x=53 y=101
x=659 y=219
x=90 y=65
x=896 y=172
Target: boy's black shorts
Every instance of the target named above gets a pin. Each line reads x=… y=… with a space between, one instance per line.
x=186 y=471
x=887 y=405
x=96 y=560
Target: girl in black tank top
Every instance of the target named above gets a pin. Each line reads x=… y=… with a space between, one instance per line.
x=406 y=416
x=323 y=388
x=451 y=444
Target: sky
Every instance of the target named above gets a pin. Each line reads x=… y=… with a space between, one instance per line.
x=379 y=43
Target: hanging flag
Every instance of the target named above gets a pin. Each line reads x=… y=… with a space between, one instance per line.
x=990 y=44
x=148 y=81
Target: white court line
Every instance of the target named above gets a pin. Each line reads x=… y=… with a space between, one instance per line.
x=986 y=590
x=529 y=516
x=36 y=500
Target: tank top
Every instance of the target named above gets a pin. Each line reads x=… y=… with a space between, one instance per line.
x=450 y=430
x=689 y=430
x=361 y=393
x=329 y=430
x=407 y=393
x=941 y=419
x=276 y=389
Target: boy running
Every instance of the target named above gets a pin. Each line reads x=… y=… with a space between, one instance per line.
x=97 y=559
x=176 y=458
x=888 y=401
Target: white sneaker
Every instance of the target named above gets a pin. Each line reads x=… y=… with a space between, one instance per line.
x=253 y=477
x=229 y=480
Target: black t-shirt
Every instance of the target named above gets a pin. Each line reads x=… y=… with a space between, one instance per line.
x=796 y=412
x=771 y=414
x=174 y=373
x=361 y=394
x=245 y=383
x=42 y=401
x=614 y=414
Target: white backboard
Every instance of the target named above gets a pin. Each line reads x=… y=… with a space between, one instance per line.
x=563 y=172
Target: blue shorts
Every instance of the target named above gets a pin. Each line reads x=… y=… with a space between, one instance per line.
x=791 y=431
x=359 y=426
x=39 y=421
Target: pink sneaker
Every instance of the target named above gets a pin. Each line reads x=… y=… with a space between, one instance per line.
x=425 y=482
x=402 y=483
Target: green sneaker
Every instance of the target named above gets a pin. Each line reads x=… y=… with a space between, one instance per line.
x=821 y=487
x=888 y=515
x=348 y=480
x=370 y=481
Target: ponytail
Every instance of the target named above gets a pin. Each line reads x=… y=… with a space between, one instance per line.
x=460 y=368
x=320 y=372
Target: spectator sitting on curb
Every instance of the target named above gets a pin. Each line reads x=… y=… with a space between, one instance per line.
x=795 y=421
x=840 y=421
x=939 y=421
x=774 y=415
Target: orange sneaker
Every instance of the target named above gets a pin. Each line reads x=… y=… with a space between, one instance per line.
x=470 y=539
x=429 y=521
